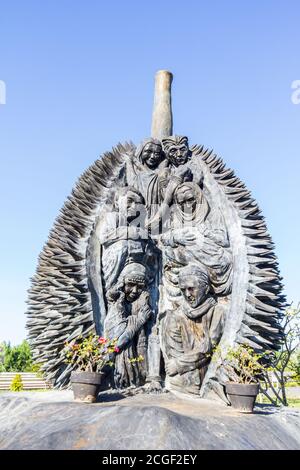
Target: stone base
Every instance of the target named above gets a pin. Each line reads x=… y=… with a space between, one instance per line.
x=52 y=420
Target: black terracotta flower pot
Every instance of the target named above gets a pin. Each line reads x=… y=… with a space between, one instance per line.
x=242 y=396
x=85 y=386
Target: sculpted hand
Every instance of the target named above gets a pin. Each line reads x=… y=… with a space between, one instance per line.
x=144 y=298
x=171 y=367
x=165 y=238
x=217 y=236
x=184 y=237
x=211 y=247
x=184 y=172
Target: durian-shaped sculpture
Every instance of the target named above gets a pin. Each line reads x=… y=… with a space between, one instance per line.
x=162 y=247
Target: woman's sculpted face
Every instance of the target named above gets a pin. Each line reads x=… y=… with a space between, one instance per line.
x=152 y=155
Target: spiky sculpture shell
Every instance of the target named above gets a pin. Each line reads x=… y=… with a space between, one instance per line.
x=60 y=307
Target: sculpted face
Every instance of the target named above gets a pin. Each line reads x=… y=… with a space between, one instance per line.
x=186 y=199
x=152 y=155
x=178 y=154
x=130 y=204
x=133 y=289
x=193 y=290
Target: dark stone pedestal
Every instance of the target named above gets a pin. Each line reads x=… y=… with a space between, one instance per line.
x=52 y=420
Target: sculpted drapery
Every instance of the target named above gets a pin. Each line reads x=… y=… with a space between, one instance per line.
x=161 y=223
x=166 y=252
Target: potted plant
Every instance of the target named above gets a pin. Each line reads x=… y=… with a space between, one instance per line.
x=244 y=368
x=88 y=356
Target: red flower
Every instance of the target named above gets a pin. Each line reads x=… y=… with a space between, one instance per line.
x=102 y=340
x=117 y=349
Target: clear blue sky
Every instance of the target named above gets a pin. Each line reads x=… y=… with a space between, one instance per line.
x=79 y=78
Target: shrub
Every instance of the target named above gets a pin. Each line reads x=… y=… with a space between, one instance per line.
x=90 y=354
x=242 y=363
x=17 y=384
x=15 y=358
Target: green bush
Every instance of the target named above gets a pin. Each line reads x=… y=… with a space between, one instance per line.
x=16 y=358
x=16 y=384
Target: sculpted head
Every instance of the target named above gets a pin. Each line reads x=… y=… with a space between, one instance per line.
x=128 y=202
x=194 y=284
x=149 y=153
x=190 y=203
x=135 y=278
x=187 y=197
x=176 y=149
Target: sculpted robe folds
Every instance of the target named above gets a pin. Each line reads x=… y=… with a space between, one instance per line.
x=162 y=248
x=188 y=342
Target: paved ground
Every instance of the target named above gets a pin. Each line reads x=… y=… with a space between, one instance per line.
x=52 y=420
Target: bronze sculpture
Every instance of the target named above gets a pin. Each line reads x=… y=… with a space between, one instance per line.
x=182 y=222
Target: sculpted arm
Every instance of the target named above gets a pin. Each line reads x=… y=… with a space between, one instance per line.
x=136 y=322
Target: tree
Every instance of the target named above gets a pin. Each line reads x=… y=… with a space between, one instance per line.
x=282 y=361
x=16 y=358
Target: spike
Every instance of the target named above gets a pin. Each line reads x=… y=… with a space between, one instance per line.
x=249 y=342
x=252 y=300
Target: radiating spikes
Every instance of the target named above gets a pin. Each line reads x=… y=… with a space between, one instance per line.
x=231 y=181
x=247 y=332
x=81 y=319
x=253 y=223
x=267 y=241
x=251 y=250
x=197 y=150
x=218 y=167
x=249 y=342
x=51 y=375
x=240 y=194
x=64 y=374
x=250 y=310
x=263 y=307
x=252 y=300
x=263 y=272
x=59 y=300
x=262 y=279
x=259 y=291
x=75 y=334
x=249 y=320
x=207 y=156
x=244 y=213
x=246 y=203
x=60 y=286
x=260 y=260
x=227 y=173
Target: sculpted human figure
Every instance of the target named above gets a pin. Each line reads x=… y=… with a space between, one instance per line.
x=179 y=168
x=119 y=241
x=190 y=330
x=176 y=214
x=196 y=235
x=118 y=233
x=117 y=237
x=143 y=172
x=128 y=312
